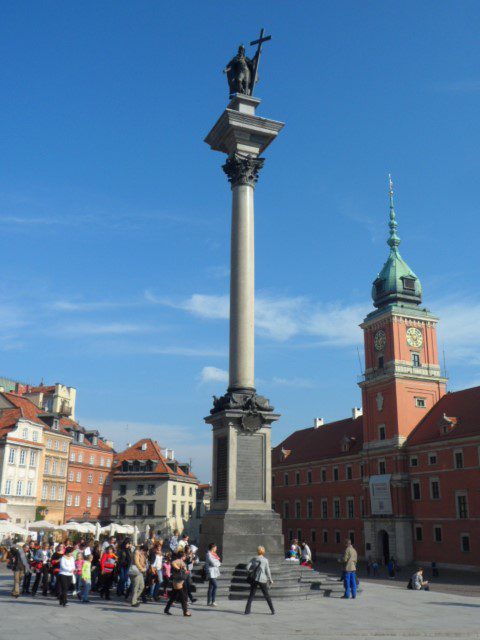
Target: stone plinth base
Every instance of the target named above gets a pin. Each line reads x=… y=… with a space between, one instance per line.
x=238 y=534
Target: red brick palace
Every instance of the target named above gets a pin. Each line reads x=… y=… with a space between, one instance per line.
x=403 y=479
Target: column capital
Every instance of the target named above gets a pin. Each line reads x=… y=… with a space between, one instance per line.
x=242 y=169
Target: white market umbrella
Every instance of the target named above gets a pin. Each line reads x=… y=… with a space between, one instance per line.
x=7 y=528
x=42 y=525
x=135 y=535
x=98 y=531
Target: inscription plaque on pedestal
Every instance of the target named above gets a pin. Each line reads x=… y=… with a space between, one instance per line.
x=222 y=468
x=250 y=467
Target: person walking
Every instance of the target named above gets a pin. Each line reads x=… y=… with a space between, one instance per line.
x=86 y=578
x=97 y=554
x=137 y=576
x=306 y=555
x=190 y=560
x=125 y=561
x=349 y=560
x=108 y=563
x=66 y=575
x=42 y=560
x=259 y=577
x=20 y=566
x=179 y=592
x=212 y=566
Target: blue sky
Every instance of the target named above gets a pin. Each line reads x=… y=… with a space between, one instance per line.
x=115 y=214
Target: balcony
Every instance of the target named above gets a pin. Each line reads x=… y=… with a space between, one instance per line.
x=402 y=369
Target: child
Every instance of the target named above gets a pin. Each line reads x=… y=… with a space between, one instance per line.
x=78 y=574
x=166 y=572
x=86 y=577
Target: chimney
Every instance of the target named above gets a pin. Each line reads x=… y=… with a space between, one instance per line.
x=357 y=412
x=317 y=422
x=109 y=443
x=172 y=454
x=129 y=444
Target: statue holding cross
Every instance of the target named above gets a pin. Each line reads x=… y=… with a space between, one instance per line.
x=242 y=72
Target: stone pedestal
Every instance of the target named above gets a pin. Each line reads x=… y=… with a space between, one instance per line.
x=241 y=516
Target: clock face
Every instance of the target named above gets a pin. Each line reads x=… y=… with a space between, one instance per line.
x=414 y=337
x=380 y=340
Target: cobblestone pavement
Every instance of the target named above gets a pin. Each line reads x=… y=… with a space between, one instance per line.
x=380 y=612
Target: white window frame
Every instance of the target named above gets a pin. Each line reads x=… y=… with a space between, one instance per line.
x=416 y=482
x=22 y=461
x=77 y=499
x=455 y=452
x=435 y=527
x=465 y=535
x=69 y=499
x=420 y=402
x=12 y=455
x=430 y=483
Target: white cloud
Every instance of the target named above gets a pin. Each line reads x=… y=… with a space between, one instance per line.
x=213 y=374
x=298 y=383
x=459 y=329
x=71 y=306
x=107 y=329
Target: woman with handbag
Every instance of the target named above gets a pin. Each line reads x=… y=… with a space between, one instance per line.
x=179 y=574
x=259 y=577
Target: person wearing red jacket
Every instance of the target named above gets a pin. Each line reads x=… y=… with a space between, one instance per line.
x=108 y=564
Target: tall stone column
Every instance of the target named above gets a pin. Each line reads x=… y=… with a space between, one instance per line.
x=242 y=173
x=241 y=515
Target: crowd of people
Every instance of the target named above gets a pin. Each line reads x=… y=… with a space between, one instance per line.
x=158 y=571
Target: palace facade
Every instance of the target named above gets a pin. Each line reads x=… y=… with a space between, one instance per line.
x=400 y=478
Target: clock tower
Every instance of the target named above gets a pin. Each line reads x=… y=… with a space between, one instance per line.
x=402 y=379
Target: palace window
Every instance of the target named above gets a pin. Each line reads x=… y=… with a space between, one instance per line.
x=121 y=508
x=309 y=509
x=8 y=487
x=337 y=536
x=351 y=535
x=324 y=508
x=432 y=458
x=23 y=456
x=381 y=361
x=61 y=491
x=313 y=535
x=122 y=489
x=419 y=534
x=286 y=510
x=44 y=492
x=382 y=467
x=335 y=473
x=139 y=509
x=139 y=490
x=80 y=457
x=458 y=457
x=285 y=479
x=415 y=359
x=350 y=508
x=336 y=508
x=69 y=499
x=421 y=403
x=46 y=468
x=465 y=542
x=92 y=459
x=63 y=468
x=29 y=488
x=462 y=506
x=53 y=491
x=435 y=489
x=324 y=475
x=89 y=501
x=414 y=461
x=298 y=510
x=325 y=536
x=77 y=500
x=72 y=456
x=348 y=472
x=381 y=432
x=71 y=476
x=437 y=534
x=90 y=478
x=297 y=478
x=309 y=477
x=150 y=508
x=79 y=476
x=54 y=467
x=416 y=490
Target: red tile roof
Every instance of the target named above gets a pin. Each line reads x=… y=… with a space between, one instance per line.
x=4 y=516
x=28 y=409
x=460 y=407
x=151 y=452
x=326 y=441
x=3 y=500
x=41 y=389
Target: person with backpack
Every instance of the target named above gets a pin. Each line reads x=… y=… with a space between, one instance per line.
x=259 y=577
x=212 y=567
x=108 y=565
x=20 y=566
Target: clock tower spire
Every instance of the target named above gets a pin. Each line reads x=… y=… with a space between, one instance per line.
x=402 y=378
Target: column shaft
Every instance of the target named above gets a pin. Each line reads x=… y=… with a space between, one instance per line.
x=242 y=289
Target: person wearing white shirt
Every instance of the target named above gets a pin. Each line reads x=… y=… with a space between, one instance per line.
x=67 y=570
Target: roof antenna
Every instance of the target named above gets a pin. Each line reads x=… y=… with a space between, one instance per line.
x=359 y=361
x=444 y=362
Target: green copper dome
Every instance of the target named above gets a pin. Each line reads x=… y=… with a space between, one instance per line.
x=396 y=282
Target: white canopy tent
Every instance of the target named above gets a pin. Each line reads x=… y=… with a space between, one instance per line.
x=113 y=528
x=79 y=527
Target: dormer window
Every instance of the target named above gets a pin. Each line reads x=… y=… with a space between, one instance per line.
x=409 y=284
x=95 y=441
x=144 y=446
x=55 y=425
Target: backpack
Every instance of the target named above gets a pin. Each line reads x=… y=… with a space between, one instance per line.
x=12 y=560
x=252 y=572
x=410 y=584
